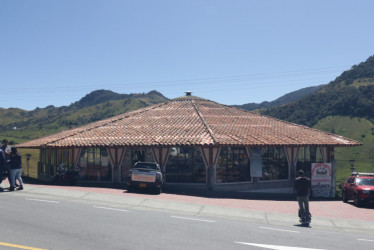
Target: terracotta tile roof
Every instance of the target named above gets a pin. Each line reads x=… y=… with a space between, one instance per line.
x=190 y=121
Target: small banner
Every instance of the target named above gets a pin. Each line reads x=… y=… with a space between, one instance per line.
x=321 y=179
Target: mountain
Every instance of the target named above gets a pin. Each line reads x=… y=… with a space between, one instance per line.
x=350 y=94
x=345 y=106
x=288 y=98
x=19 y=125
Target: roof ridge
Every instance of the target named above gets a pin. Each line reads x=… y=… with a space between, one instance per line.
x=110 y=120
x=204 y=122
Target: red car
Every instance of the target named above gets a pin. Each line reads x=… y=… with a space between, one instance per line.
x=359 y=187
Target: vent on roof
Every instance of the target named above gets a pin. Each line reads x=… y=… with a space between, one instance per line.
x=188 y=93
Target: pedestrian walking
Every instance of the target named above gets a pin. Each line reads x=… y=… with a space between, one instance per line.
x=15 y=169
x=302 y=187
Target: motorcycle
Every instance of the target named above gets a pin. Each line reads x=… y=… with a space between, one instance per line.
x=67 y=176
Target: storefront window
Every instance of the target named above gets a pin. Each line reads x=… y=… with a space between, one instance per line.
x=65 y=157
x=307 y=156
x=233 y=165
x=132 y=156
x=43 y=161
x=185 y=165
x=95 y=165
x=50 y=158
x=274 y=164
x=53 y=163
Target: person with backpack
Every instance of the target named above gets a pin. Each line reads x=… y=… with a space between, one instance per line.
x=15 y=169
x=302 y=186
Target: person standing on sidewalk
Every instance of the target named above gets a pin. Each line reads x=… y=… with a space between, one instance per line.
x=2 y=167
x=15 y=169
x=302 y=187
x=6 y=150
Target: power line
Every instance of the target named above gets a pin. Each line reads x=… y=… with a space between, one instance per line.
x=301 y=75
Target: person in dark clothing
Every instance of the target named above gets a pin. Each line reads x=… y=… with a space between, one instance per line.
x=2 y=167
x=15 y=169
x=6 y=150
x=302 y=187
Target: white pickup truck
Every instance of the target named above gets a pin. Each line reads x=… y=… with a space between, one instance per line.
x=145 y=175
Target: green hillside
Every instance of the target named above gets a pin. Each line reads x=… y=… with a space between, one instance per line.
x=287 y=98
x=19 y=125
x=359 y=129
x=350 y=94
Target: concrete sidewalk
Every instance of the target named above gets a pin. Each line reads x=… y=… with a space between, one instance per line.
x=328 y=215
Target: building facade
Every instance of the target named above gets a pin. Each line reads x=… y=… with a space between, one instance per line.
x=197 y=142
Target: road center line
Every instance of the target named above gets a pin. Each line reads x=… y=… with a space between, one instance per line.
x=186 y=218
x=20 y=246
x=109 y=208
x=42 y=200
x=276 y=229
x=366 y=240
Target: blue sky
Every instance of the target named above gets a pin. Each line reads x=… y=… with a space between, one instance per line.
x=232 y=51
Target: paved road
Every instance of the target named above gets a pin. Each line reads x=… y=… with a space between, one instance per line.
x=327 y=214
x=56 y=217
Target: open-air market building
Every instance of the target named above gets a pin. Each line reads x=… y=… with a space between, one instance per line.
x=197 y=142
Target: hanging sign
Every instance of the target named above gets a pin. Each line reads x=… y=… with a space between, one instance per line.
x=321 y=179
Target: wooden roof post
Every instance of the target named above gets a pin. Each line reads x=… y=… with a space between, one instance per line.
x=116 y=156
x=210 y=156
x=161 y=156
x=331 y=158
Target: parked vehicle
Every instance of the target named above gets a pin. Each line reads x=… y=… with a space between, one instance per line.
x=67 y=176
x=359 y=187
x=146 y=175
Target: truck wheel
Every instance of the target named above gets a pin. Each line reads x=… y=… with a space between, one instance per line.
x=159 y=190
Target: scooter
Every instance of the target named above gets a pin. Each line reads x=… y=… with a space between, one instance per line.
x=67 y=176
x=305 y=218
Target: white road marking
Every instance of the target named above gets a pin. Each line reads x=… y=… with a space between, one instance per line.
x=366 y=240
x=276 y=229
x=42 y=200
x=186 y=218
x=109 y=208
x=275 y=247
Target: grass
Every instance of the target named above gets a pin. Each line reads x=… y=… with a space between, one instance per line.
x=354 y=128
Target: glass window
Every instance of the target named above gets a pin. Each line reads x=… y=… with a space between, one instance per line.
x=274 y=164
x=95 y=165
x=307 y=156
x=65 y=157
x=365 y=182
x=53 y=163
x=185 y=165
x=137 y=155
x=233 y=165
x=43 y=161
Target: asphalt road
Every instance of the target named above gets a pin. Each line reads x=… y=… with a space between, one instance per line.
x=71 y=218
